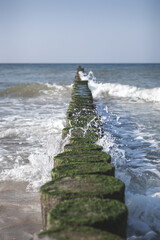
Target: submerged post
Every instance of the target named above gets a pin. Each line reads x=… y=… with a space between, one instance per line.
x=83 y=200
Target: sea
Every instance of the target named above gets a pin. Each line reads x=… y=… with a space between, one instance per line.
x=33 y=102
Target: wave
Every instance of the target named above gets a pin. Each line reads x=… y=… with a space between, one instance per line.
x=36 y=171
x=143 y=209
x=124 y=91
x=120 y=90
x=31 y=90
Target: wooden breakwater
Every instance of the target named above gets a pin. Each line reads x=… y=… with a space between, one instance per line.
x=84 y=200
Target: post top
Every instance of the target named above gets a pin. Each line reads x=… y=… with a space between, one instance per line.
x=79 y=69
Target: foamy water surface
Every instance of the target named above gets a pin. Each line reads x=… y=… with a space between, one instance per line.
x=33 y=104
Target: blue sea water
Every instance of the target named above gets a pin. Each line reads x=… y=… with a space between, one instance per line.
x=33 y=103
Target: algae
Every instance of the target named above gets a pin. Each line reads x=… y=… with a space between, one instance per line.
x=77 y=233
x=83 y=168
x=105 y=214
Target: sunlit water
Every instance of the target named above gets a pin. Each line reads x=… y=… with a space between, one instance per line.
x=33 y=104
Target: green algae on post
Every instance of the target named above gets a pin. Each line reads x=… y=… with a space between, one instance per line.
x=76 y=233
x=105 y=214
x=84 y=200
x=81 y=156
x=82 y=169
x=83 y=147
x=79 y=186
x=84 y=185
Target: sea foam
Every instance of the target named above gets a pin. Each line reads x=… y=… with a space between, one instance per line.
x=124 y=91
x=120 y=90
x=40 y=164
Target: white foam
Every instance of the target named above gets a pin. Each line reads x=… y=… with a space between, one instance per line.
x=86 y=77
x=124 y=91
x=142 y=135
x=9 y=133
x=30 y=140
x=144 y=212
x=144 y=207
x=109 y=145
x=37 y=171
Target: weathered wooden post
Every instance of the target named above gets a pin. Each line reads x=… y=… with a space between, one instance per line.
x=84 y=200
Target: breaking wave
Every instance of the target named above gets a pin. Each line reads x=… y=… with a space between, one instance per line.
x=37 y=171
x=124 y=91
x=120 y=90
x=31 y=90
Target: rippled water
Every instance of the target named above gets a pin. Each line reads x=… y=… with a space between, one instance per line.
x=33 y=103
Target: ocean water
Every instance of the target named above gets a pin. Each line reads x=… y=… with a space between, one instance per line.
x=33 y=103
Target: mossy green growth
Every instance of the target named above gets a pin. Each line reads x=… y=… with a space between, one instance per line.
x=77 y=233
x=87 y=128
x=82 y=147
x=81 y=156
x=82 y=121
x=81 y=93
x=104 y=214
x=65 y=132
x=80 y=88
x=93 y=136
x=78 y=116
x=82 y=109
x=77 y=122
x=82 y=168
x=80 y=140
x=80 y=186
x=74 y=108
x=77 y=132
x=82 y=99
x=79 y=104
x=90 y=137
x=79 y=82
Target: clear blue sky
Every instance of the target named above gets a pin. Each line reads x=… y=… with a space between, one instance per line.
x=72 y=31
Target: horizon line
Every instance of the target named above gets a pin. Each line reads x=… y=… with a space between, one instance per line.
x=80 y=63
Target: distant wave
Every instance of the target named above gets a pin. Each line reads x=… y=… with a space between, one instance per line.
x=120 y=90
x=31 y=90
x=124 y=91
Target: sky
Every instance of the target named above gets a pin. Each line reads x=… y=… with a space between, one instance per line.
x=79 y=31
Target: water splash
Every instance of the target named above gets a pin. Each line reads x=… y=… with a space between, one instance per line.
x=37 y=171
x=86 y=77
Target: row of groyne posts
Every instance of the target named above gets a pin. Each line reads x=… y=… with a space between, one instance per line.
x=83 y=201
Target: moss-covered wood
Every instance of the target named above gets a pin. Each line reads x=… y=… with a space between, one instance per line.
x=82 y=109
x=82 y=147
x=79 y=186
x=83 y=168
x=76 y=233
x=80 y=140
x=84 y=200
x=79 y=104
x=105 y=214
x=80 y=156
x=88 y=185
x=89 y=135
x=65 y=132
